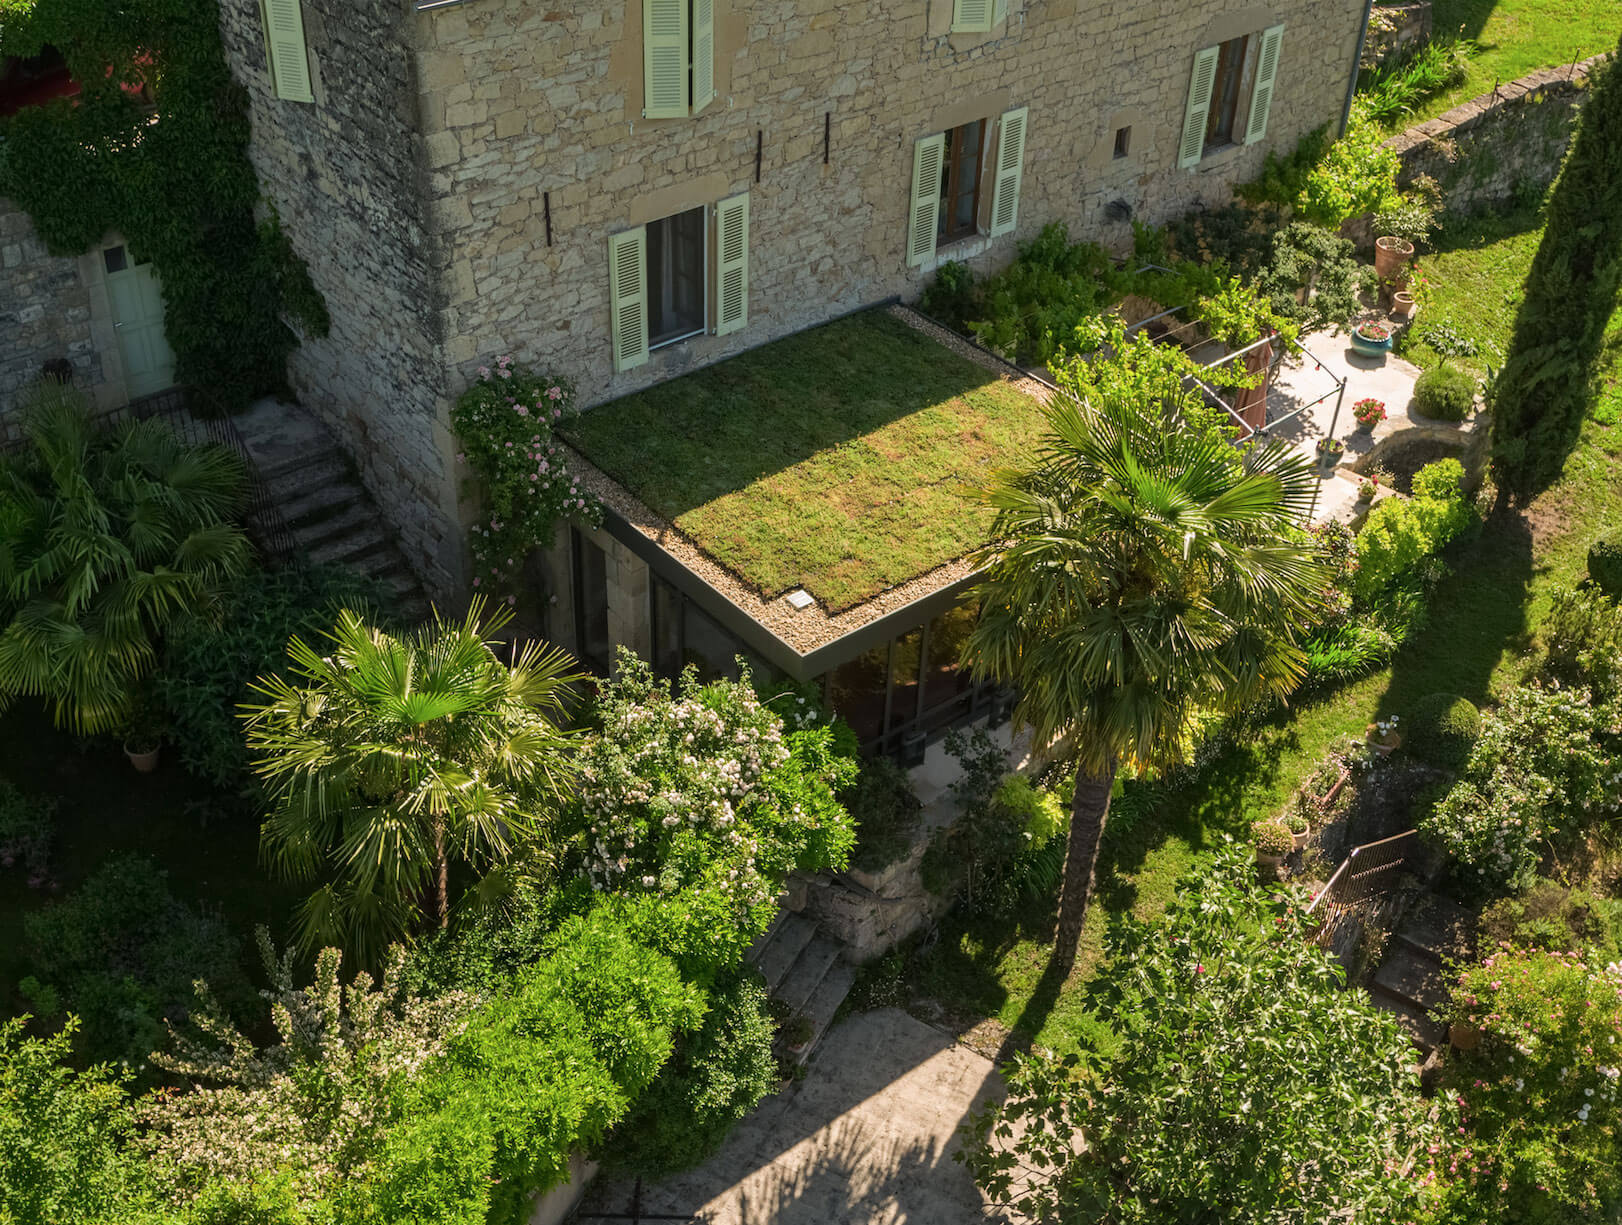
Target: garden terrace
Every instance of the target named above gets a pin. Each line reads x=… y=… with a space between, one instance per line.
x=839 y=461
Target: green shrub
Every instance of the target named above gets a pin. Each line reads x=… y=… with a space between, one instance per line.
x=1400 y=533
x=716 y=1076
x=1357 y=174
x=1031 y=308
x=952 y=297
x=1442 y=729
x=1605 y=564
x=1313 y=276
x=26 y=828
x=210 y=664
x=1445 y=393
x=1583 y=634
x=1556 y=918
x=885 y=809
x=1443 y=479
x=122 y=953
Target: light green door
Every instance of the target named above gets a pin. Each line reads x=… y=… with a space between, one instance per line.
x=137 y=302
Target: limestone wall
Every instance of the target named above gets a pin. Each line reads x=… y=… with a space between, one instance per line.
x=518 y=100
x=1501 y=145
x=44 y=312
x=345 y=174
x=1395 y=29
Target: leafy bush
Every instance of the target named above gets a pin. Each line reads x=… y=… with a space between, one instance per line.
x=1411 y=217
x=107 y=537
x=26 y=828
x=1236 y=238
x=716 y=1076
x=1539 y=1094
x=1357 y=174
x=1447 y=340
x=1398 y=86
x=1441 y=479
x=1584 y=635
x=1313 y=277
x=1605 y=564
x=952 y=297
x=1270 y=837
x=885 y=810
x=1442 y=729
x=1555 y=918
x=122 y=953
x=1031 y=308
x=1400 y=533
x=210 y=663
x=1222 y=1100
x=1445 y=393
x=1543 y=769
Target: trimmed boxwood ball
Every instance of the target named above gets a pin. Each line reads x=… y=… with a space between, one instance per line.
x=1445 y=393
x=1442 y=729
x=1605 y=564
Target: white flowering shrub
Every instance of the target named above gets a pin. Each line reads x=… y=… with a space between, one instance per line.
x=315 y=1104
x=699 y=798
x=1545 y=766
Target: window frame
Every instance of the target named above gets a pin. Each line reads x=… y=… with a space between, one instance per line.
x=1233 y=61
x=706 y=275
x=952 y=186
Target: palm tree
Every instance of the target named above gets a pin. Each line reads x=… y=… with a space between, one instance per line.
x=107 y=536
x=1144 y=571
x=389 y=758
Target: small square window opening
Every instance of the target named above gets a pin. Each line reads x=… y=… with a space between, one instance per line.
x=1123 y=141
x=114 y=259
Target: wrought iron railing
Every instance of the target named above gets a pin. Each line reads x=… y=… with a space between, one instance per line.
x=1362 y=883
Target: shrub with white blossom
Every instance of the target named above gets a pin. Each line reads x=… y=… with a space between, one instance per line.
x=507 y=424
x=1545 y=766
x=698 y=797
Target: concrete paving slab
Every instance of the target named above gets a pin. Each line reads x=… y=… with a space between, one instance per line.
x=866 y=1139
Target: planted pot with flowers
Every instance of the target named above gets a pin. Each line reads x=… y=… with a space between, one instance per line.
x=1372 y=339
x=1367 y=488
x=1329 y=451
x=1383 y=736
x=1368 y=412
x=1300 y=831
x=1272 y=841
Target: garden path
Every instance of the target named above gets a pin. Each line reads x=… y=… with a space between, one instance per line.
x=865 y=1139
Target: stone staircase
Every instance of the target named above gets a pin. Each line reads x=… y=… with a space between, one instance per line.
x=806 y=971
x=313 y=486
x=1412 y=981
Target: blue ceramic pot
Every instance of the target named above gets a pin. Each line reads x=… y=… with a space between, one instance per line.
x=1370 y=348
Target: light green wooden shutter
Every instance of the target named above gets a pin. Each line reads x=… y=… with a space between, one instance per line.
x=703 y=53
x=1261 y=97
x=732 y=264
x=664 y=58
x=924 y=215
x=1010 y=171
x=971 y=16
x=999 y=13
x=285 y=49
x=628 y=297
x=1200 y=85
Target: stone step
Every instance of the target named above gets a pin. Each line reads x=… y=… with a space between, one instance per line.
x=310 y=533
x=1439 y=927
x=807 y=973
x=1414 y=976
x=357 y=548
x=1423 y=1030
x=784 y=948
x=329 y=499
x=823 y=1006
x=304 y=475
x=765 y=937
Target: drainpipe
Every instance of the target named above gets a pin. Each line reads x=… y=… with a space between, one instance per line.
x=1357 y=62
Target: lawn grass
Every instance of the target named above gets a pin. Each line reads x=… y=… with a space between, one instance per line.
x=839 y=460
x=1480 y=628
x=1516 y=37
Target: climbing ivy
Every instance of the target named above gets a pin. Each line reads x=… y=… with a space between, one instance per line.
x=176 y=181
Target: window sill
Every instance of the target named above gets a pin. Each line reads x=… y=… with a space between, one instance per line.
x=676 y=340
x=1219 y=155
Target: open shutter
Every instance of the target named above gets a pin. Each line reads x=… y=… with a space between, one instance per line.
x=1261 y=97
x=703 y=53
x=732 y=264
x=971 y=16
x=285 y=49
x=999 y=13
x=924 y=217
x=1200 y=85
x=664 y=58
x=1010 y=171
x=628 y=297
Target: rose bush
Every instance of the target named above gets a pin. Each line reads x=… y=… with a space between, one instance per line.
x=507 y=424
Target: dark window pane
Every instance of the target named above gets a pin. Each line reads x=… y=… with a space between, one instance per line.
x=591 y=604
x=856 y=692
x=116 y=259
x=960 y=181
x=675 y=249
x=667 y=629
x=709 y=647
x=1225 y=92
x=945 y=684
x=904 y=680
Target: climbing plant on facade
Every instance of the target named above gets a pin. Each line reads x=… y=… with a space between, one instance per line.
x=173 y=178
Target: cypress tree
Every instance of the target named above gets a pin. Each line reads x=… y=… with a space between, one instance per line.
x=1542 y=394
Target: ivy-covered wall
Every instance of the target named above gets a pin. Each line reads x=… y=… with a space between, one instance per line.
x=174 y=181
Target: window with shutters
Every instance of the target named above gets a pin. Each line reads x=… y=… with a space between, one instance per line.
x=678 y=57
x=676 y=307
x=1225 y=93
x=1230 y=94
x=959 y=214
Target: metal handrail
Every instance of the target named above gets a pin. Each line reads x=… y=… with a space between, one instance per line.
x=1360 y=883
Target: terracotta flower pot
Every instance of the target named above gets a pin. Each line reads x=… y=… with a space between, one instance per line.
x=1402 y=304
x=1297 y=841
x=1463 y=1035
x=145 y=761
x=1391 y=256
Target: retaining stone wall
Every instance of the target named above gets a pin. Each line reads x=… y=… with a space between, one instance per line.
x=345 y=174
x=44 y=311
x=1501 y=145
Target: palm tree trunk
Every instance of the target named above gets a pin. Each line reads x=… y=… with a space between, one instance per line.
x=443 y=882
x=1088 y=812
